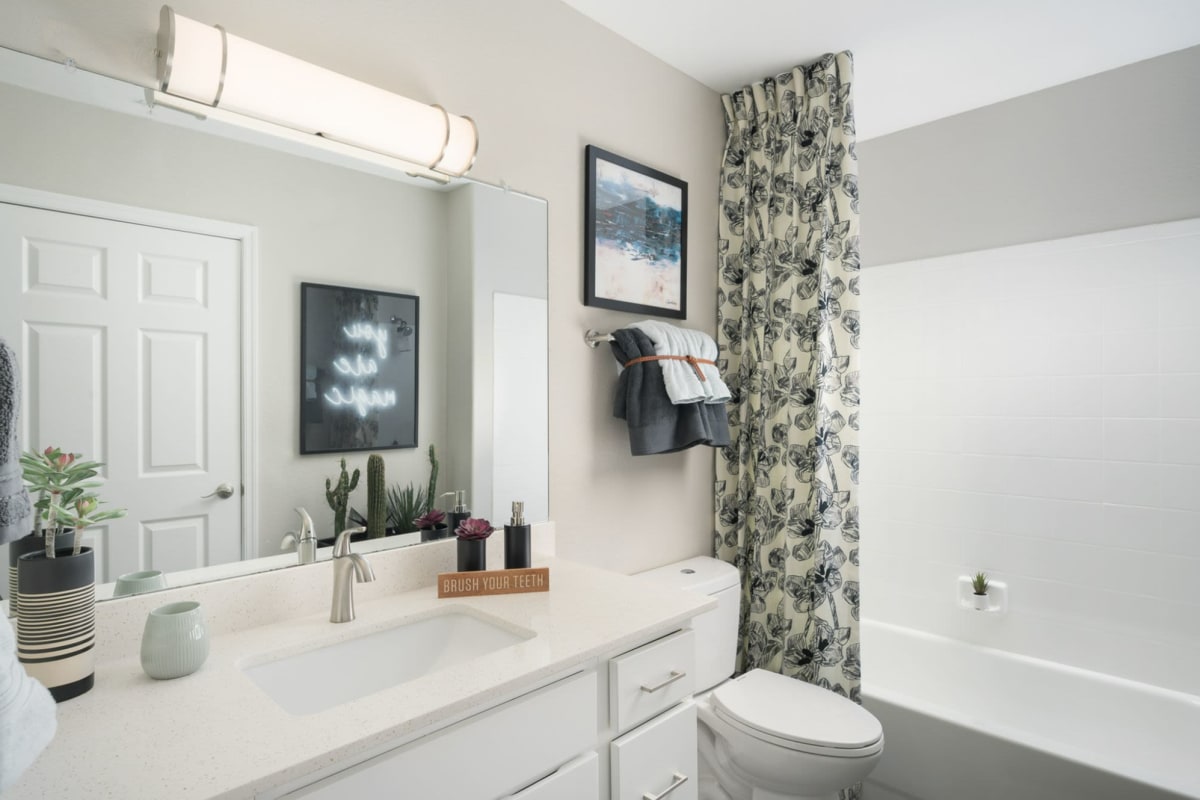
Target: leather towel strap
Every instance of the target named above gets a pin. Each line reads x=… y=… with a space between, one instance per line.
x=695 y=362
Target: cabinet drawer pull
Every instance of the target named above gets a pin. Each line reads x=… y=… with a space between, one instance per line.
x=651 y=689
x=680 y=780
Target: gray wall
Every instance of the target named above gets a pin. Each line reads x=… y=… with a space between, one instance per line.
x=1114 y=150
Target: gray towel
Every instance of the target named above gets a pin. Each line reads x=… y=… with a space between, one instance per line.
x=656 y=425
x=14 y=500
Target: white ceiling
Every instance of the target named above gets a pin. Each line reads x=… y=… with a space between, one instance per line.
x=914 y=60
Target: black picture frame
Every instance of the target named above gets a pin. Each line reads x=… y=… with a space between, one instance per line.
x=635 y=245
x=359 y=369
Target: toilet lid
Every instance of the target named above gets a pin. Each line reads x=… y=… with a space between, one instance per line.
x=790 y=710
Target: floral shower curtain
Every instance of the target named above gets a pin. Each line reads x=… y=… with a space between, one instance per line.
x=788 y=331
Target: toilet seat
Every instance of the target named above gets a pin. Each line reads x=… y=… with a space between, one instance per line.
x=797 y=716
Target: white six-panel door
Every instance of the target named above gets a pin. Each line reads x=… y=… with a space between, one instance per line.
x=129 y=338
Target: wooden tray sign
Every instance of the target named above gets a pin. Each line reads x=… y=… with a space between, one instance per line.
x=493 y=581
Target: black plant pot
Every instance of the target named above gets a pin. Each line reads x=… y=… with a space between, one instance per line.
x=30 y=544
x=56 y=627
x=435 y=533
x=472 y=555
x=329 y=541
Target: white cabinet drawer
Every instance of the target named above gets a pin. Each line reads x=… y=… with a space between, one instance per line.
x=648 y=762
x=482 y=757
x=579 y=780
x=651 y=679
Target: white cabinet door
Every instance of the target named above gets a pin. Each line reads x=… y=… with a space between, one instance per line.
x=657 y=760
x=483 y=757
x=130 y=347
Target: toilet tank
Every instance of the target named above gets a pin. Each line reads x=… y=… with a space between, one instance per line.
x=716 y=630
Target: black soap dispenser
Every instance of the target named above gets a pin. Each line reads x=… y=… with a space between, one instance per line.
x=516 y=539
x=460 y=512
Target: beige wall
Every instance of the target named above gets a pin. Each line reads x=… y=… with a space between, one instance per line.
x=542 y=82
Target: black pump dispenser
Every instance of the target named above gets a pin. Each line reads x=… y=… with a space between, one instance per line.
x=460 y=512
x=516 y=539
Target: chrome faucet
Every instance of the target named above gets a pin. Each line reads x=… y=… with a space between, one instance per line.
x=305 y=541
x=344 y=561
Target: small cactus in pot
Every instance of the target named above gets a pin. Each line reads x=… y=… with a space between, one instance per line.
x=376 y=498
x=338 y=497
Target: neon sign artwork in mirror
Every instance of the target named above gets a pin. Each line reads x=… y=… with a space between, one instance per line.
x=358 y=363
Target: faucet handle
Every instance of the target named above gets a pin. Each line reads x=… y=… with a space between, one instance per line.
x=341 y=546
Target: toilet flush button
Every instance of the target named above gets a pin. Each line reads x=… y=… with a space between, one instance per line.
x=687 y=571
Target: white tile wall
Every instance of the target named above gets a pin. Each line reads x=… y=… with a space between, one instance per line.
x=1034 y=412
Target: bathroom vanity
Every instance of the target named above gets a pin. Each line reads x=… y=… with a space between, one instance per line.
x=585 y=693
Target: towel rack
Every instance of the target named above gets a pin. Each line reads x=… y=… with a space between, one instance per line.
x=593 y=338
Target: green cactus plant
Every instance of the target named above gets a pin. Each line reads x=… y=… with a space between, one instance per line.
x=376 y=498
x=431 y=493
x=338 y=497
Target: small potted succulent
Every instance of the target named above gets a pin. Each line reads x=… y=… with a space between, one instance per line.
x=979 y=585
x=472 y=535
x=56 y=586
x=432 y=525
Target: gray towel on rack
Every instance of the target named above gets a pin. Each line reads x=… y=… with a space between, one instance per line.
x=14 y=500
x=656 y=425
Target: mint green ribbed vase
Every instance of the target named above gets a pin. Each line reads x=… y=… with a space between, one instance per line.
x=174 y=641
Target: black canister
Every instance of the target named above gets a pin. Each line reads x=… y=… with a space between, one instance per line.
x=472 y=555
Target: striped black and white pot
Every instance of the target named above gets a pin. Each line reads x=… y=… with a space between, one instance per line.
x=29 y=544
x=56 y=623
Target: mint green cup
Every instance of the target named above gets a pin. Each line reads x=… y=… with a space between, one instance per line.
x=174 y=641
x=147 y=580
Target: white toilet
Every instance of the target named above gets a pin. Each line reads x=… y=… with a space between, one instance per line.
x=764 y=736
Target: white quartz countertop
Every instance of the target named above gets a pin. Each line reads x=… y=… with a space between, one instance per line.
x=215 y=734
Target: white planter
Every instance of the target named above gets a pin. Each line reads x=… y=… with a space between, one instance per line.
x=981 y=602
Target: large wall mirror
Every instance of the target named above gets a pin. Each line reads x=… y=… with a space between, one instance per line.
x=153 y=278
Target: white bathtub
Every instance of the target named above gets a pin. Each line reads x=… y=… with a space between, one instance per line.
x=968 y=721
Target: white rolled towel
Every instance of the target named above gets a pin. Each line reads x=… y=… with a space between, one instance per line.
x=27 y=713
x=681 y=377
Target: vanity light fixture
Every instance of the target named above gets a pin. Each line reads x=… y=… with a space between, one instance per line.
x=206 y=71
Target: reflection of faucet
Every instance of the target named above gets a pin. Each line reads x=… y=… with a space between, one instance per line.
x=344 y=561
x=305 y=541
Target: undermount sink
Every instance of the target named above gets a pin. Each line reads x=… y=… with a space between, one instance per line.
x=319 y=679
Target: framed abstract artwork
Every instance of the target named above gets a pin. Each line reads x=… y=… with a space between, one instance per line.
x=635 y=256
x=358 y=369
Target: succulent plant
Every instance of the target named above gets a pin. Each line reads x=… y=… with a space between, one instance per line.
x=405 y=504
x=430 y=519
x=980 y=583
x=377 y=516
x=338 y=497
x=63 y=483
x=474 y=528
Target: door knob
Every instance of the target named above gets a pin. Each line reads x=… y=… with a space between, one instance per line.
x=223 y=491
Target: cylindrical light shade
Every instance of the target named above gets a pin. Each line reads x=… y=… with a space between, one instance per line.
x=206 y=64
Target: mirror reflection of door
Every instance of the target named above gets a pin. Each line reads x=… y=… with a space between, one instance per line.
x=130 y=345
